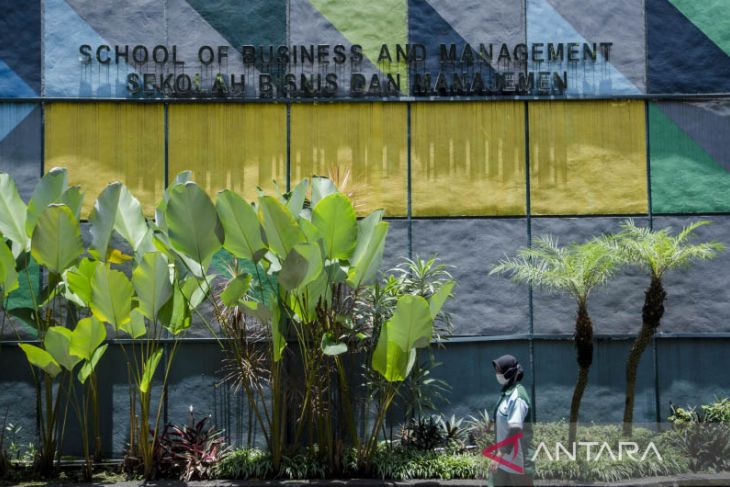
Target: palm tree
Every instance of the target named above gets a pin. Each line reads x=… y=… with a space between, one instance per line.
x=575 y=269
x=656 y=252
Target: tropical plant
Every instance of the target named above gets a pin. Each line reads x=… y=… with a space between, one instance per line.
x=479 y=429
x=453 y=432
x=420 y=393
x=192 y=451
x=657 y=252
x=299 y=263
x=297 y=266
x=45 y=232
x=157 y=303
x=576 y=269
x=422 y=433
x=703 y=435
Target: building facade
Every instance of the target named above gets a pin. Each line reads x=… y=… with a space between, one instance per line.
x=476 y=124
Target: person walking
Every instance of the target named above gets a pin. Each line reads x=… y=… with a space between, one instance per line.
x=512 y=415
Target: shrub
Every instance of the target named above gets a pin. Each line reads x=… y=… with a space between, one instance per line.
x=190 y=452
x=603 y=467
x=702 y=436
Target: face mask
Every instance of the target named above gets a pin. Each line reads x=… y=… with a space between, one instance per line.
x=502 y=381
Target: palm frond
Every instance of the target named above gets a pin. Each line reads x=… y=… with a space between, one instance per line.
x=659 y=251
x=574 y=269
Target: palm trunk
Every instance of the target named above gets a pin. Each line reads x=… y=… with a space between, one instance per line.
x=651 y=316
x=584 y=357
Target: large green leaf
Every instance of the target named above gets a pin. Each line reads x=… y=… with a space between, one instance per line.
x=130 y=222
x=88 y=335
x=8 y=274
x=101 y=219
x=116 y=209
x=411 y=326
x=57 y=342
x=368 y=254
x=73 y=197
x=89 y=365
x=111 y=296
x=56 y=242
x=196 y=289
x=151 y=281
x=302 y=266
x=41 y=359
x=175 y=315
x=241 y=226
x=192 y=223
x=135 y=327
x=336 y=221
x=78 y=279
x=389 y=359
x=321 y=187
x=280 y=227
x=332 y=347
x=297 y=197
x=49 y=190
x=12 y=213
x=236 y=288
x=150 y=366
x=437 y=300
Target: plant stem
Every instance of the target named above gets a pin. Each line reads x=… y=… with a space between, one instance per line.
x=584 y=357
x=651 y=316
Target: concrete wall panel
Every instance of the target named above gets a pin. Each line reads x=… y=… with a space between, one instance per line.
x=614 y=308
x=697 y=297
x=20 y=145
x=483 y=304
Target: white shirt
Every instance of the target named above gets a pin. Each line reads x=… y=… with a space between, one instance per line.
x=511 y=413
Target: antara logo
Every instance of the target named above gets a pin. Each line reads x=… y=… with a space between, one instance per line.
x=593 y=451
x=628 y=448
x=487 y=452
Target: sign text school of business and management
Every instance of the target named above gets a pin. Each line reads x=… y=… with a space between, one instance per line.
x=339 y=71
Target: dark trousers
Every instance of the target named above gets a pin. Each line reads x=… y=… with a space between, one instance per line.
x=502 y=478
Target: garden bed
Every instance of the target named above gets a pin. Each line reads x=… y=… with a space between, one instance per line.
x=722 y=478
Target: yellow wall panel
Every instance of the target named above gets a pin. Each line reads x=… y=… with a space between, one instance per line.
x=104 y=142
x=587 y=157
x=468 y=158
x=229 y=146
x=363 y=142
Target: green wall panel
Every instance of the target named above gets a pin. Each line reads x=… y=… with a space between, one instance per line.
x=690 y=157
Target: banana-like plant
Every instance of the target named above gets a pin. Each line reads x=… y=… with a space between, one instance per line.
x=45 y=232
x=298 y=262
x=61 y=352
x=155 y=304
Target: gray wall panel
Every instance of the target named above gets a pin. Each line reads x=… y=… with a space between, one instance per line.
x=614 y=308
x=698 y=297
x=483 y=304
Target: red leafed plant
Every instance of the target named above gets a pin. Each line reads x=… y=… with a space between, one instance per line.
x=191 y=452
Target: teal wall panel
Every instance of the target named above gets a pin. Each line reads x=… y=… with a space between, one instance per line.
x=689 y=148
x=556 y=371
